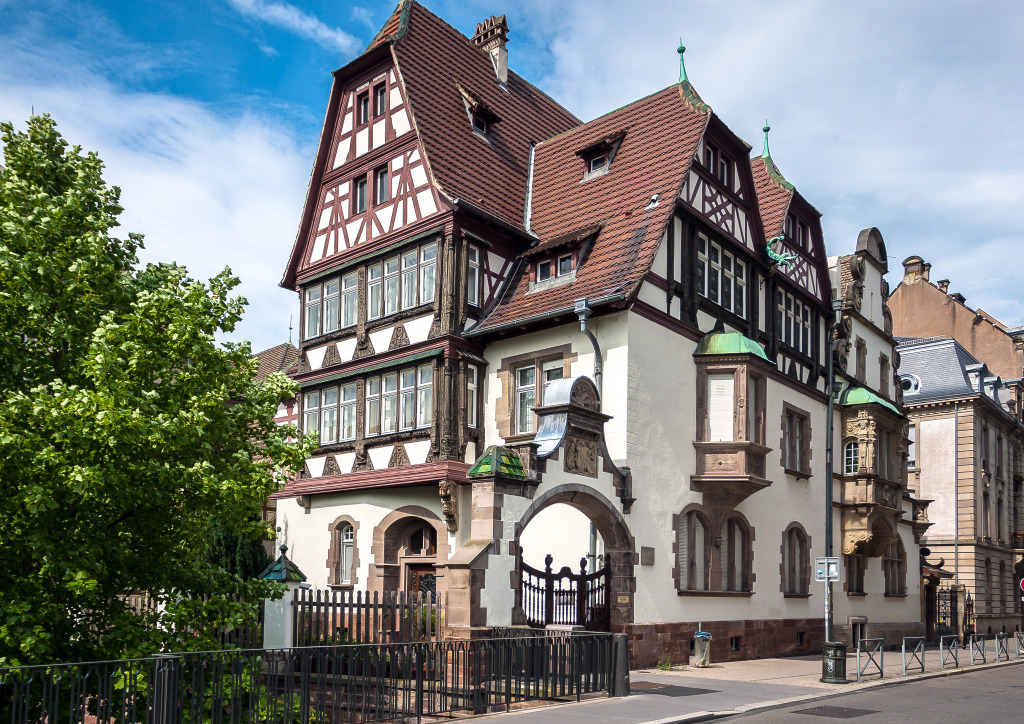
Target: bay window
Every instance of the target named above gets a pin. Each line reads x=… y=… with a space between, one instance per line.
x=793 y=320
x=471 y=396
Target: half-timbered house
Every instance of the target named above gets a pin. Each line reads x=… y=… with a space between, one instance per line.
x=507 y=310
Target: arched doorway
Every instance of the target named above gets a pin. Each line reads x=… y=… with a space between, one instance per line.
x=408 y=546
x=616 y=563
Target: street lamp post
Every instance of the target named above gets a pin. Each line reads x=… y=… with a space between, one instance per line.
x=833 y=653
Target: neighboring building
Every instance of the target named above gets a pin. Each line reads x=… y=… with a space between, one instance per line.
x=506 y=310
x=922 y=309
x=967 y=457
x=881 y=521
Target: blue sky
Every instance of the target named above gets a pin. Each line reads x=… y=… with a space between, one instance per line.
x=906 y=116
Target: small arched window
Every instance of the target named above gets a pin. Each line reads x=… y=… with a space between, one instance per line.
x=346 y=541
x=736 y=557
x=694 y=551
x=795 y=561
x=851 y=457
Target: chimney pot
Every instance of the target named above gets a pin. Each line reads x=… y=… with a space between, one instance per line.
x=913 y=269
x=492 y=36
x=944 y=285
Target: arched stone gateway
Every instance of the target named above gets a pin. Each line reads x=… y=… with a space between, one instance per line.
x=566 y=463
x=618 y=545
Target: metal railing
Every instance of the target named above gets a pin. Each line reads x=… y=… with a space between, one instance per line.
x=354 y=683
x=978 y=644
x=949 y=650
x=875 y=648
x=1002 y=652
x=916 y=661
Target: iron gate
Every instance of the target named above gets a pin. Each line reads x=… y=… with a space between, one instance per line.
x=566 y=598
x=946 y=611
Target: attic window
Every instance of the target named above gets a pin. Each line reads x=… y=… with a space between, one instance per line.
x=797 y=231
x=479 y=124
x=552 y=267
x=598 y=155
x=911 y=384
x=718 y=164
x=597 y=163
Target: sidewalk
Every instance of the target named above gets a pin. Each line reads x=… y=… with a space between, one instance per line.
x=688 y=695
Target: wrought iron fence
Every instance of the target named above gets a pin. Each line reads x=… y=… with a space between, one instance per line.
x=332 y=618
x=916 y=660
x=321 y=684
x=874 y=648
x=949 y=651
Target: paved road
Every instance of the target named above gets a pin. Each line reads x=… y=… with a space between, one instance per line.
x=984 y=697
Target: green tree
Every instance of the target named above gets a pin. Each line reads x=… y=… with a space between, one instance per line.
x=125 y=429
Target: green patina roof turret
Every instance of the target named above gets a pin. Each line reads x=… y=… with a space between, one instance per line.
x=498 y=460
x=283 y=570
x=769 y=163
x=861 y=396
x=729 y=343
x=685 y=87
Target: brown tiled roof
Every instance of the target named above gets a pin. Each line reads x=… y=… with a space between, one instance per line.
x=773 y=195
x=435 y=60
x=393 y=26
x=275 y=359
x=662 y=133
x=403 y=476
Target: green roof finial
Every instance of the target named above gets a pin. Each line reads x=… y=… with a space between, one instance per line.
x=682 y=68
x=766 y=153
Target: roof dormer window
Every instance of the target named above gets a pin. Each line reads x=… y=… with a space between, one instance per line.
x=598 y=155
x=481 y=118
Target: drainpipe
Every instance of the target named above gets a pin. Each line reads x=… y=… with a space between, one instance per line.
x=582 y=309
x=956 y=494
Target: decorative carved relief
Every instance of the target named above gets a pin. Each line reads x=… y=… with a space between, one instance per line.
x=398 y=456
x=331 y=466
x=584 y=396
x=303 y=364
x=581 y=456
x=331 y=357
x=450 y=504
x=362 y=461
x=399 y=338
x=304 y=473
x=435 y=329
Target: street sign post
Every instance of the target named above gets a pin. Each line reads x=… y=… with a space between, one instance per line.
x=826 y=569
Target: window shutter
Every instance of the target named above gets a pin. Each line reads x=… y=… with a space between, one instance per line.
x=720 y=407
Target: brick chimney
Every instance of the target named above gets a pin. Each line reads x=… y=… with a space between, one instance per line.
x=492 y=35
x=944 y=286
x=915 y=269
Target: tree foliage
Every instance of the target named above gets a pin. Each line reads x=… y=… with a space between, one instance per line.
x=125 y=429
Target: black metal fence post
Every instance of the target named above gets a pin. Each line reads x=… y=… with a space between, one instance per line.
x=620 y=668
x=166 y=674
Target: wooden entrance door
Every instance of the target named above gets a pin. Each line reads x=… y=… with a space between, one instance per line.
x=422 y=579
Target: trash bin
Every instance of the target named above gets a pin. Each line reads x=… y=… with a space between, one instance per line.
x=701 y=649
x=833 y=662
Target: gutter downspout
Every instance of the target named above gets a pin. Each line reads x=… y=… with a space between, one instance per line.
x=956 y=492
x=582 y=309
x=528 y=206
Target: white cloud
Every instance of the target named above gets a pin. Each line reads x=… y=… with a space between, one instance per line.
x=289 y=17
x=207 y=191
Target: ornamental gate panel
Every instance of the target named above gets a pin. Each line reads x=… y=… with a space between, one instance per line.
x=566 y=598
x=946 y=611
